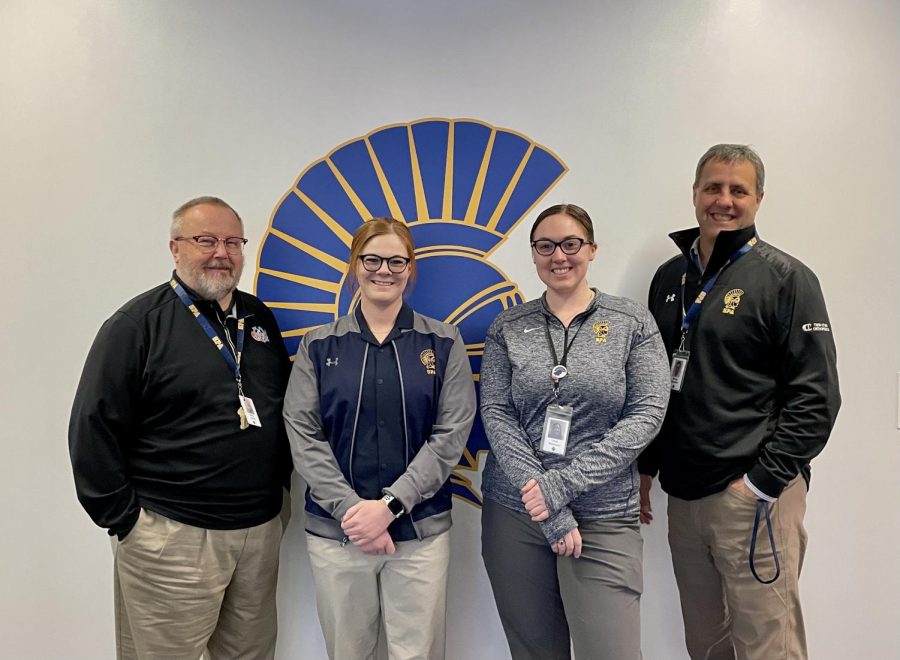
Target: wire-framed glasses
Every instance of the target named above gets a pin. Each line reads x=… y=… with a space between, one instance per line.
x=233 y=244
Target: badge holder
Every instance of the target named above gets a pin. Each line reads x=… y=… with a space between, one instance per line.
x=679 y=366
x=557 y=418
x=557 y=422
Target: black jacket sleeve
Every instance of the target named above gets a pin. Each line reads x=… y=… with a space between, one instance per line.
x=808 y=395
x=103 y=421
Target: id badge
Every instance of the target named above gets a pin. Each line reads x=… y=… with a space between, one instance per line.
x=250 y=411
x=557 y=421
x=679 y=366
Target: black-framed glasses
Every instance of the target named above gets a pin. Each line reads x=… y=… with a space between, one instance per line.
x=395 y=264
x=545 y=247
x=233 y=244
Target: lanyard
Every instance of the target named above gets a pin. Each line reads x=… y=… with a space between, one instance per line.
x=559 y=365
x=763 y=506
x=234 y=361
x=689 y=316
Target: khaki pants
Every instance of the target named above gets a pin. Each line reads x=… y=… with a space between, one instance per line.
x=406 y=591
x=181 y=591
x=727 y=613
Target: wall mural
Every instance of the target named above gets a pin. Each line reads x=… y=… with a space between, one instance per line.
x=461 y=185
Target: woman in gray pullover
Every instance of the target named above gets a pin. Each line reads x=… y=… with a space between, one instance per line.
x=573 y=386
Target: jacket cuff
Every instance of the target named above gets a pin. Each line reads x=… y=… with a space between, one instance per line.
x=764 y=481
x=552 y=490
x=558 y=525
x=124 y=530
x=341 y=509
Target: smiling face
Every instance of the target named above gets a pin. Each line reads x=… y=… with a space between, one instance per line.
x=562 y=273
x=213 y=275
x=725 y=197
x=382 y=287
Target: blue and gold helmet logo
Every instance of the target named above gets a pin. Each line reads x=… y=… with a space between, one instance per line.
x=460 y=185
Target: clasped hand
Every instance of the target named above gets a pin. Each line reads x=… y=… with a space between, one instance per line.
x=365 y=525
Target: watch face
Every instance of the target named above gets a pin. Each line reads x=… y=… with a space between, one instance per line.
x=395 y=507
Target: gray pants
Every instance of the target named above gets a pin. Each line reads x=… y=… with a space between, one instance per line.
x=543 y=599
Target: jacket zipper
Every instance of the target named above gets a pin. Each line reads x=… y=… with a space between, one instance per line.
x=362 y=375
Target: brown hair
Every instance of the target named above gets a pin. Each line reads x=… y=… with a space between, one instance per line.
x=380 y=227
x=733 y=153
x=577 y=214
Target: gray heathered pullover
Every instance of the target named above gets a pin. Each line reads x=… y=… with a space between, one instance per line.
x=618 y=385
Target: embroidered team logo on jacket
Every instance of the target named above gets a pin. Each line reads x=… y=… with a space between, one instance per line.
x=601 y=330
x=260 y=334
x=732 y=300
x=427 y=358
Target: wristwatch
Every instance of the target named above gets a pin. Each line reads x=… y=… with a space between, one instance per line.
x=393 y=505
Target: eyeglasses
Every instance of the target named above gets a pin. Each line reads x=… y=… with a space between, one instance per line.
x=372 y=262
x=233 y=244
x=545 y=247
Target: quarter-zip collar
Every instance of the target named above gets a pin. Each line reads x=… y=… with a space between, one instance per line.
x=595 y=301
x=727 y=243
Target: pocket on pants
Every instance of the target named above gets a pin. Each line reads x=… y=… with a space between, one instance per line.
x=133 y=531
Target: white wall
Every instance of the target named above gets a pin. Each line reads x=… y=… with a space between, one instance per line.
x=112 y=113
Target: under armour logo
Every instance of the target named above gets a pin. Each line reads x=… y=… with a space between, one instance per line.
x=670 y=297
x=331 y=362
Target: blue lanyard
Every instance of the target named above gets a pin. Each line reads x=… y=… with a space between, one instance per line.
x=234 y=361
x=687 y=318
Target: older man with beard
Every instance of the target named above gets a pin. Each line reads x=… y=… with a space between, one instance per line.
x=179 y=451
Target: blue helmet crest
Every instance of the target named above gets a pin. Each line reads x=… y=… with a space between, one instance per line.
x=460 y=185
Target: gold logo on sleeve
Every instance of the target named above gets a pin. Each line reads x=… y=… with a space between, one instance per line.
x=732 y=300
x=601 y=330
x=427 y=358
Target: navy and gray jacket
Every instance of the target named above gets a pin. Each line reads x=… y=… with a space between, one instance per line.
x=365 y=417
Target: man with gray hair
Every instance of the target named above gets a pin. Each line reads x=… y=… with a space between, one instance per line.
x=754 y=398
x=179 y=451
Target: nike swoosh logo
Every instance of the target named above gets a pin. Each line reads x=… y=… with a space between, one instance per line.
x=526 y=330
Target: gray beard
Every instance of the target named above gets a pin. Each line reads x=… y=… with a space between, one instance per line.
x=210 y=290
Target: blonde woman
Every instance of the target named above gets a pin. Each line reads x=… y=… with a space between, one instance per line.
x=378 y=410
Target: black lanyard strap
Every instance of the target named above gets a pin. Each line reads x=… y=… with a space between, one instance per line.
x=557 y=362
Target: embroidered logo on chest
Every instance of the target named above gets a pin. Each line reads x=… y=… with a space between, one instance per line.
x=260 y=334
x=427 y=358
x=601 y=330
x=732 y=300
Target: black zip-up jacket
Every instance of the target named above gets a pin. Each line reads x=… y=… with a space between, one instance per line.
x=760 y=392
x=154 y=423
